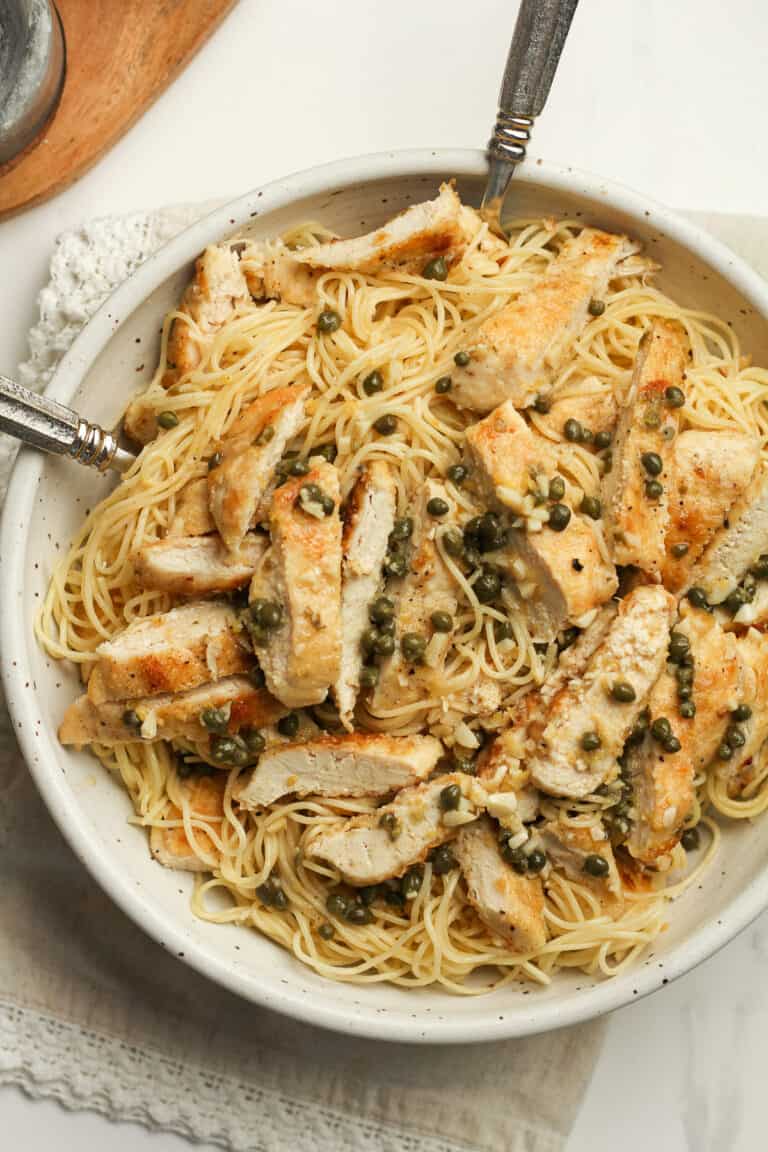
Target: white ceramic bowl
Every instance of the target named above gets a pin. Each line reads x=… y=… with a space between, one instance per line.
x=46 y=502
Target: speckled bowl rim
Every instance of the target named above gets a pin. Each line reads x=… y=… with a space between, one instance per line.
x=38 y=743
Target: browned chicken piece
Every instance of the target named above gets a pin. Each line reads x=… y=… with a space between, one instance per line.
x=250 y=452
x=508 y=458
x=737 y=545
x=301 y=572
x=510 y=905
x=517 y=352
x=563 y=577
x=662 y=779
x=170 y=717
x=529 y=716
x=139 y=421
x=369 y=849
x=569 y=846
x=636 y=492
x=214 y=295
x=606 y=699
x=435 y=228
x=358 y=764
x=273 y=272
x=368 y=521
x=751 y=695
x=170 y=652
x=204 y=796
x=594 y=410
x=198 y=565
x=712 y=470
x=192 y=514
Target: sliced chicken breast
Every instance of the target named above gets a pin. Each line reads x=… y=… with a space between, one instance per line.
x=192 y=513
x=169 y=717
x=435 y=228
x=216 y=291
x=712 y=470
x=752 y=692
x=508 y=457
x=636 y=492
x=301 y=572
x=250 y=452
x=517 y=352
x=662 y=780
x=595 y=409
x=197 y=565
x=737 y=545
x=562 y=577
x=170 y=652
x=568 y=847
x=369 y=849
x=511 y=905
x=606 y=699
x=203 y=797
x=359 y=764
x=369 y=519
x=273 y=272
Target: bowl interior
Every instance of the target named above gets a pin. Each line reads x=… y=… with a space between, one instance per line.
x=49 y=498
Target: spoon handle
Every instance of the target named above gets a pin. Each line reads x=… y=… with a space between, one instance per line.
x=52 y=427
x=537 y=43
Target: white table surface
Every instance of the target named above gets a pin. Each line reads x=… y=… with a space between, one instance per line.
x=668 y=97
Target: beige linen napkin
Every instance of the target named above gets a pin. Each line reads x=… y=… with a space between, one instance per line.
x=96 y=1015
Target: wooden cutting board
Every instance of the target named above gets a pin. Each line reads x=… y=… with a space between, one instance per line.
x=121 y=55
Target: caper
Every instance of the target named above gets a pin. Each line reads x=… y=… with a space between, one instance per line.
x=515 y=857
x=573 y=431
x=741 y=713
x=215 y=719
x=386 y=424
x=328 y=451
x=487 y=586
x=229 y=750
x=724 y=751
x=395 y=565
x=288 y=725
x=435 y=269
x=453 y=542
x=441 y=621
x=672 y=745
x=559 y=517
x=462 y=359
x=402 y=529
x=373 y=383
x=674 y=397
x=760 y=569
x=595 y=865
x=567 y=637
x=167 y=419
x=542 y=403
x=131 y=718
x=271 y=894
x=296 y=468
x=735 y=737
x=654 y=490
x=661 y=729
x=652 y=463
x=687 y=709
x=254 y=740
x=214 y=461
x=410 y=885
x=536 y=860
x=590 y=741
x=623 y=692
x=457 y=474
x=443 y=860
x=358 y=914
x=690 y=839
x=450 y=797
x=679 y=646
x=471 y=556
x=684 y=674
x=734 y=601
x=311 y=492
x=327 y=503
x=369 y=676
x=605 y=462
x=412 y=646
x=652 y=418
x=681 y=549
x=443 y=385
x=384 y=645
x=437 y=506
x=587 y=435
x=326 y=931
x=556 y=488
x=697 y=597
x=328 y=321
x=391 y=824
x=369 y=893
x=337 y=904
x=502 y=630
x=596 y=307
x=591 y=507
x=382 y=608
x=602 y=440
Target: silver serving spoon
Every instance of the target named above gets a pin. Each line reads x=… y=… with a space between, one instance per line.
x=537 y=42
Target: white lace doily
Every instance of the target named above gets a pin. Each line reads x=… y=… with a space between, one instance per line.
x=95 y=1015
